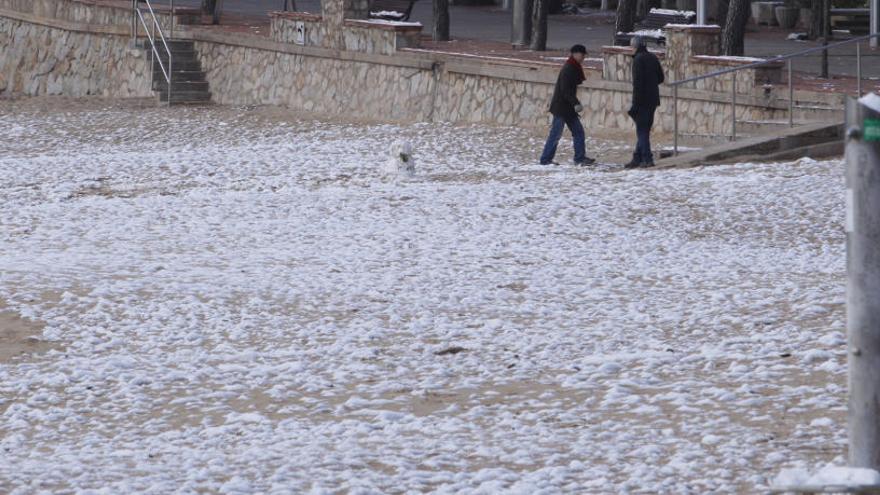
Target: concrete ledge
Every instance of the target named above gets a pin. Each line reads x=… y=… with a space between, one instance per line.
x=626 y=50
x=733 y=61
x=261 y=43
x=693 y=28
x=296 y=16
x=77 y=27
x=399 y=27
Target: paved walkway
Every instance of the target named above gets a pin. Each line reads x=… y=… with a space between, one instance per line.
x=592 y=30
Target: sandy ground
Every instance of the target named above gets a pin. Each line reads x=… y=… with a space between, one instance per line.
x=248 y=304
x=19 y=337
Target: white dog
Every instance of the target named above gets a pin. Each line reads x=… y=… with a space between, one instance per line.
x=401 y=160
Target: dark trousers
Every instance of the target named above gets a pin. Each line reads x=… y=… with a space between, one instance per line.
x=644 y=119
x=578 y=136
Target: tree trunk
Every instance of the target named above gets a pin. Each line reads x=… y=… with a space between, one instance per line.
x=539 y=25
x=734 y=32
x=819 y=18
x=441 y=20
x=641 y=9
x=723 y=6
x=626 y=13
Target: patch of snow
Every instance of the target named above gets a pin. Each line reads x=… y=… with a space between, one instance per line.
x=685 y=13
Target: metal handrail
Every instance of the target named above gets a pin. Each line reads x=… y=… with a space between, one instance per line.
x=781 y=58
x=157 y=28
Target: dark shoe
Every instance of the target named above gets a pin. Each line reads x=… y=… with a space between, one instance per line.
x=646 y=165
x=549 y=163
x=586 y=161
x=633 y=164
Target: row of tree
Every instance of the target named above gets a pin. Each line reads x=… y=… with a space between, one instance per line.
x=734 y=14
x=733 y=17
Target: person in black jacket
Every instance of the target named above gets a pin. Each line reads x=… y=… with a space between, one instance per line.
x=647 y=75
x=565 y=108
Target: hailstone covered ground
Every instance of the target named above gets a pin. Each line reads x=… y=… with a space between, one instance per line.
x=239 y=301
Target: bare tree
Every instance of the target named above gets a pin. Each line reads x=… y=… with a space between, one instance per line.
x=626 y=17
x=539 y=25
x=819 y=18
x=441 y=20
x=734 y=32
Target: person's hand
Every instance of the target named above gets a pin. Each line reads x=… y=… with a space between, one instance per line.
x=578 y=108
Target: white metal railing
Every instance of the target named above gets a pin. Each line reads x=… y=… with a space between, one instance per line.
x=154 y=31
x=782 y=58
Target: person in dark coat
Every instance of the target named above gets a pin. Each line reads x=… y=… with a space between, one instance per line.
x=565 y=108
x=647 y=75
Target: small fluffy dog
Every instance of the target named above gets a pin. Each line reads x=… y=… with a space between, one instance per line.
x=401 y=160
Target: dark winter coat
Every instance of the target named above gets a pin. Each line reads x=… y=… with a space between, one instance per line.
x=647 y=77
x=565 y=94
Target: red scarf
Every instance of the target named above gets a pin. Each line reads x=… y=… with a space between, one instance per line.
x=580 y=68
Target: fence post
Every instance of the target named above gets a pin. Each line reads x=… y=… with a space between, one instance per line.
x=863 y=279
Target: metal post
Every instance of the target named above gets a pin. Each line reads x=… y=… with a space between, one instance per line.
x=733 y=102
x=133 y=22
x=170 y=69
x=874 y=28
x=171 y=29
x=701 y=12
x=521 y=29
x=153 y=53
x=675 y=120
x=858 y=69
x=863 y=279
x=826 y=26
x=790 y=96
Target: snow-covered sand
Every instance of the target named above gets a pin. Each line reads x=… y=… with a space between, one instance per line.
x=240 y=302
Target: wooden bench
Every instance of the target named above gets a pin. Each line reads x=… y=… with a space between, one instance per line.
x=391 y=10
x=651 y=27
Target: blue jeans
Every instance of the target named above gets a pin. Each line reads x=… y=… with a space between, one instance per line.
x=577 y=135
x=644 y=119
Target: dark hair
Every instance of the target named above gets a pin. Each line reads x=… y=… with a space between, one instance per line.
x=579 y=49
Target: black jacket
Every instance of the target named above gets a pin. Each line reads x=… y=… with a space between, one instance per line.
x=565 y=93
x=647 y=77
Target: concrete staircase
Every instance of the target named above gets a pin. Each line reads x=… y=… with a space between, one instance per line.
x=817 y=140
x=188 y=84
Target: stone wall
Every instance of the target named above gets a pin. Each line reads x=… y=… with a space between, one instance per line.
x=325 y=86
x=57 y=57
x=355 y=35
x=40 y=60
x=617 y=62
x=746 y=79
x=86 y=12
x=284 y=27
x=380 y=37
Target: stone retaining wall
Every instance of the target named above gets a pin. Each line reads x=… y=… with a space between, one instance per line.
x=39 y=57
x=327 y=86
x=40 y=60
x=354 y=35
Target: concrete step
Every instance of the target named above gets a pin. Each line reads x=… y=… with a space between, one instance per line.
x=763 y=146
x=189 y=56
x=180 y=75
x=185 y=86
x=179 y=66
x=173 y=45
x=186 y=97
